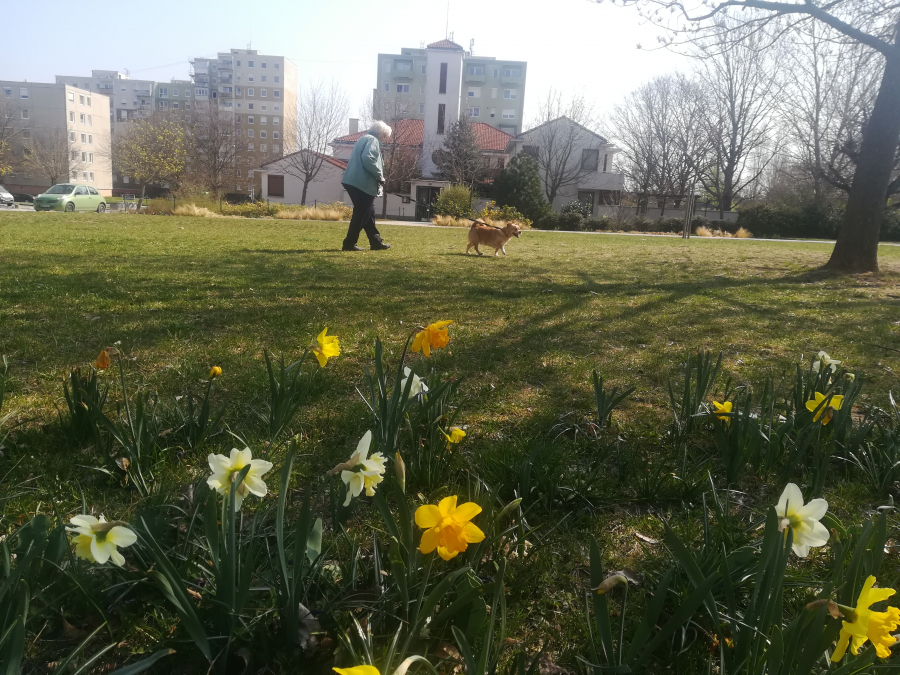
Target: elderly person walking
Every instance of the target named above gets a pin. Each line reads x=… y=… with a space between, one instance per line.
x=362 y=179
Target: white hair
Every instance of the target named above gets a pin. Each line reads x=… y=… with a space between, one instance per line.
x=379 y=128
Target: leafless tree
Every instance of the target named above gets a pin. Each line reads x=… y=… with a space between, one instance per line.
x=557 y=148
x=742 y=82
x=826 y=106
x=212 y=148
x=872 y=23
x=321 y=113
x=50 y=156
x=12 y=134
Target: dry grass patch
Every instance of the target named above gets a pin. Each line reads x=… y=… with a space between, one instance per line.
x=194 y=210
x=307 y=213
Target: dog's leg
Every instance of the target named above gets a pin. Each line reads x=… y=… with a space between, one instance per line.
x=496 y=252
x=467 y=248
x=478 y=250
x=503 y=248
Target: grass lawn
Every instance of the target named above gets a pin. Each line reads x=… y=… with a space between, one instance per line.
x=178 y=295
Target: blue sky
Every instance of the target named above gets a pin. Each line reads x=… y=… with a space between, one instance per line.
x=574 y=45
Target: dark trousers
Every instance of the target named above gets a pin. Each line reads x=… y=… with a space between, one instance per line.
x=363 y=217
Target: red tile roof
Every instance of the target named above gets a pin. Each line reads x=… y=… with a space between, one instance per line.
x=412 y=132
x=445 y=44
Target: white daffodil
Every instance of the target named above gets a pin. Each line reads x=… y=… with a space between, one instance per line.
x=367 y=471
x=98 y=541
x=226 y=470
x=417 y=387
x=825 y=361
x=803 y=520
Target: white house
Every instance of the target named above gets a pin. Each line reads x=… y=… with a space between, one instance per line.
x=584 y=159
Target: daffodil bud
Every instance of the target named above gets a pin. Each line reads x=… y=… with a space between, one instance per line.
x=214 y=372
x=610 y=583
x=401 y=471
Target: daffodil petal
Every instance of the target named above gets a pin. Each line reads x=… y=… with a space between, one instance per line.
x=447 y=505
x=466 y=511
x=430 y=540
x=427 y=516
x=121 y=536
x=791 y=500
x=815 y=510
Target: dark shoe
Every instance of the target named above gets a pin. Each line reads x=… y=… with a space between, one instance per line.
x=354 y=247
x=380 y=245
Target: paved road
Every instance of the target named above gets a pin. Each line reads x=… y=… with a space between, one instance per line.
x=21 y=207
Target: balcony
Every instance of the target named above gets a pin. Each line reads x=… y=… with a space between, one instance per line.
x=475 y=79
x=142 y=92
x=226 y=65
x=144 y=106
x=201 y=80
x=511 y=80
x=226 y=79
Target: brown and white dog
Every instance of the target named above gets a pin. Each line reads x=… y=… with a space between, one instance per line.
x=495 y=237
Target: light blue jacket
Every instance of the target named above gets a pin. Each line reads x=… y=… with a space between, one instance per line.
x=365 y=168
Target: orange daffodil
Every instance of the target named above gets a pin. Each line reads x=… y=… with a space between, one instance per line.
x=803 y=520
x=98 y=541
x=433 y=336
x=868 y=625
x=825 y=412
x=725 y=407
x=448 y=528
x=103 y=360
x=326 y=347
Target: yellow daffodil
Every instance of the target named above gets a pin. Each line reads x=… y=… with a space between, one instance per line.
x=98 y=541
x=366 y=473
x=869 y=625
x=103 y=361
x=824 y=412
x=447 y=527
x=803 y=520
x=455 y=436
x=226 y=470
x=725 y=407
x=824 y=361
x=432 y=336
x=326 y=347
x=214 y=372
x=357 y=670
x=417 y=387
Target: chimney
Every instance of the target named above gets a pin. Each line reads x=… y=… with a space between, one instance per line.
x=354 y=125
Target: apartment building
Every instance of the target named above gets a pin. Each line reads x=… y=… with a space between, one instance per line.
x=261 y=92
x=440 y=81
x=62 y=128
x=129 y=100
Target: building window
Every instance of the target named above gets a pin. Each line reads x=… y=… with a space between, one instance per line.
x=262 y=92
x=84 y=158
x=263 y=64
x=90 y=121
x=250 y=133
x=590 y=159
x=250 y=92
x=387 y=66
x=84 y=175
x=262 y=120
x=277 y=65
x=442 y=85
x=262 y=147
x=496 y=73
x=277 y=79
x=81 y=99
x=88 y=101
x=71 y=115
x=237 y=118
x=90 y=139
x=510 y=93
x=512 y=72
x=24 y=114
x=251 y=119
x=26 y=133
x=421 y=108
x=250 y=148
x=509 y=114
x=277 y=93
x=476 y=70
x=605 y=158
x=387 y=86
x=276 y=108
x=474 y=92
x=404 y=66
x=238 y=133
x=493 y=92
x=175 y=105
x=442 y=108
x=237 y=63
x=71 y=94
x=586 y=197
x=263 y=134
x=500 y=163
x=202 y=92
x=237 y=91
x=163 y=92
x=276 y=186
x=84 y=138
x=421 y=88
x=7 y=92
x=250 y=78
x=23 y=92
x=276 y=135
x=249 y=64
x=531 y=150
x=263 y=78
x=276 y=121
x=402 y=88
x=187 y=118
x=187 y=106
x=423 y=69
x=249 y=106
x=474 y=112
x=71 y=137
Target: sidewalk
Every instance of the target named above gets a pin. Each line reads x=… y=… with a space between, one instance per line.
x=830 y=242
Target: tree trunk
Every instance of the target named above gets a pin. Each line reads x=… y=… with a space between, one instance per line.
x=141 y=200
x=384 y=205
x=856 y=249
x=303 y=196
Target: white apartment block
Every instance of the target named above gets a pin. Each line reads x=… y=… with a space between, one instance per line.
x=261 y=93
x=129 y=99
x=69 y=124
x=439 y=82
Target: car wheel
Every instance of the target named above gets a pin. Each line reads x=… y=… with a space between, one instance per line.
x=70 y=206
x=101 y=208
